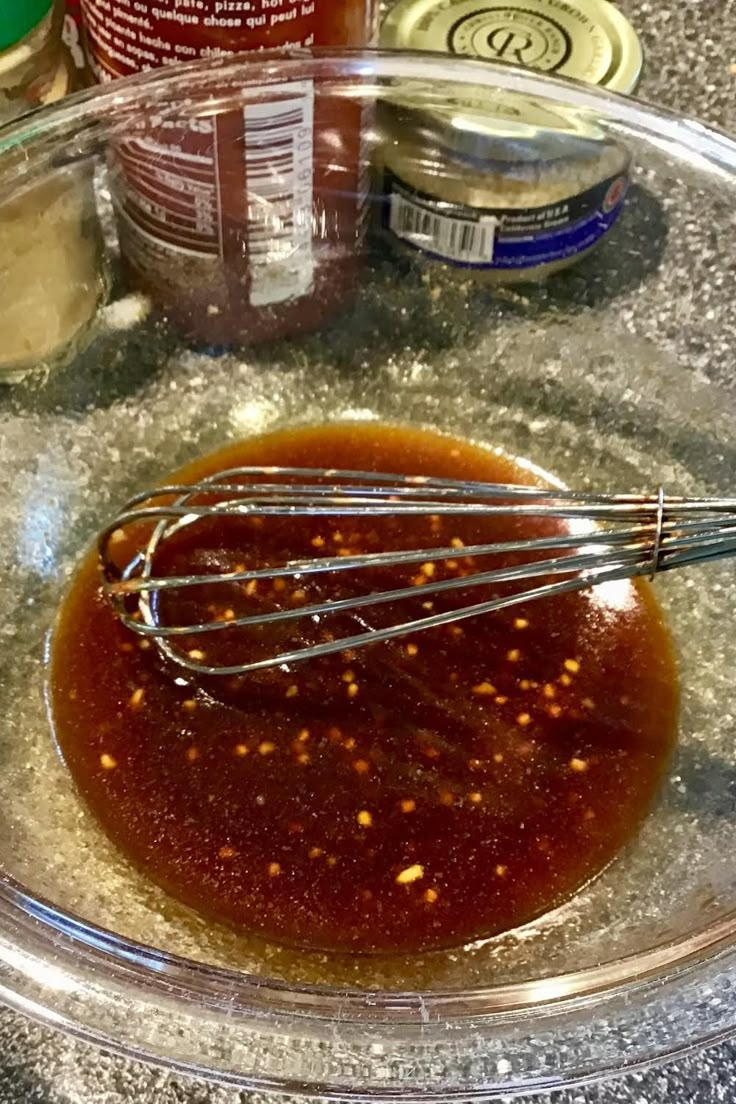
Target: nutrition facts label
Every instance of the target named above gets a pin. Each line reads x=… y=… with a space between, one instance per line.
x=173 y=194
x=169 y=188
x=132 y=36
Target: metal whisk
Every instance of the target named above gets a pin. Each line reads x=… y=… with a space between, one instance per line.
x=607 y=537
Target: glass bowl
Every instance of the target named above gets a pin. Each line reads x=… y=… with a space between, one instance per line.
x=129 y=348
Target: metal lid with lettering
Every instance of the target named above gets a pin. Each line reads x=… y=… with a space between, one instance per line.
x=589 y=40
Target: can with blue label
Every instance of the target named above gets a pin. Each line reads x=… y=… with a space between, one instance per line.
x=502 y=186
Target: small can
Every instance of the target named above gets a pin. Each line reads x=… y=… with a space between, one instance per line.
x=505 y=188
x=589 y=40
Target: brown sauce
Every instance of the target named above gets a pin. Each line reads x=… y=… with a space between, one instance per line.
x=421 y=793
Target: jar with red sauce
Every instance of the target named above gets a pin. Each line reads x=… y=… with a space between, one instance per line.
x=239 y=219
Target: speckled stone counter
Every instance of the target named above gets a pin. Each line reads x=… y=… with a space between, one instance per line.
x=690 y=50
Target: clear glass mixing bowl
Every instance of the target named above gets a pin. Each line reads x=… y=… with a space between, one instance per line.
x=616 y=373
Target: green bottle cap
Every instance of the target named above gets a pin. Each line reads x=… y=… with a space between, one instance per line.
x=19 y=17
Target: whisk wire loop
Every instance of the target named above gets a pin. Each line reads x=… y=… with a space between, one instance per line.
x=605 y=538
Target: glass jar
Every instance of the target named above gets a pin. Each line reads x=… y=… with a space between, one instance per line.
x=30 y=53
x=500 y=188
x=51 y=274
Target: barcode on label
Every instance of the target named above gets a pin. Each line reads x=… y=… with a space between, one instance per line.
x=457 y=239
x=279 y=155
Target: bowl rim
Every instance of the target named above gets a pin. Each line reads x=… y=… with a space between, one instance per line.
x=56 y=936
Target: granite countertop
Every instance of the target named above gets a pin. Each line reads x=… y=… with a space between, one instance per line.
x=690 y=48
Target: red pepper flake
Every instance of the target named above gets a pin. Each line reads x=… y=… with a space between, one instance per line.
x=410 y=874
x=136 y=699
x=484 y=688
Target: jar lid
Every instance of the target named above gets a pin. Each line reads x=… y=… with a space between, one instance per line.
x=19 y=17
x=589 y=40
x=492 y=126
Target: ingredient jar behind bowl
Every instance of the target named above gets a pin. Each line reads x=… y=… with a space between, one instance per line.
x=238 y=223
x=30 y=53
x=502 y=188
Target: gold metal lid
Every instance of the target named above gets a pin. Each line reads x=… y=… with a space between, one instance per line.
x=587 y=39
x=493 y=126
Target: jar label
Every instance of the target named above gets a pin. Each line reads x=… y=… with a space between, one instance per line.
x=502 y=237
x=128 y=36
x=72 y=34
x=234 y=218
x=169 y=195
